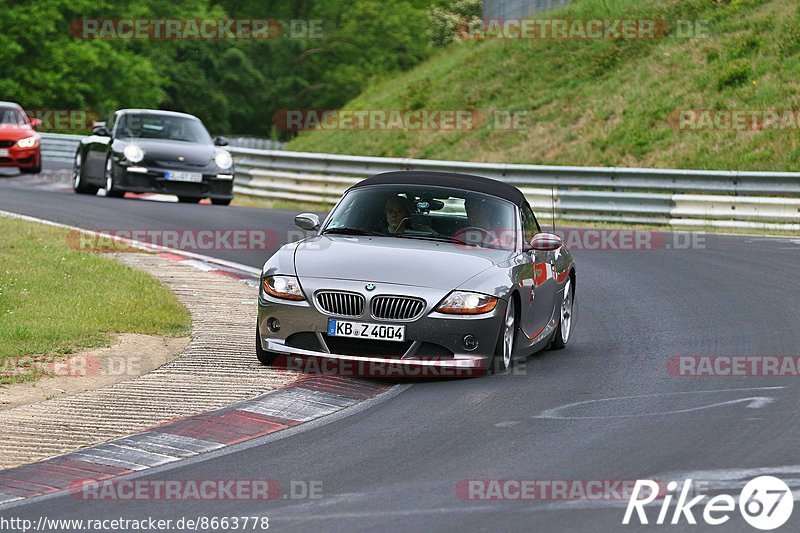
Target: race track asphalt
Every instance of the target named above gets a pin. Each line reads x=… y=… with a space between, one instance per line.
x=396 y=465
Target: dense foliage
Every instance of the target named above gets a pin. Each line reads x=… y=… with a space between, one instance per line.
x=235 y=86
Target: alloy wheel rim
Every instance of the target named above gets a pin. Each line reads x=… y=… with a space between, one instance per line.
x=508 y=334
x=76 y=179
x=109 y=179
x=566 y=312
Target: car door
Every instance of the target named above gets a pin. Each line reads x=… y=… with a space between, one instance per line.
x=538 y=286
x=96 y=151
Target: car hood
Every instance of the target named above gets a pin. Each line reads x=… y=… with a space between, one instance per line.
x=169 y=151
x=393 y=260
x=14 y=132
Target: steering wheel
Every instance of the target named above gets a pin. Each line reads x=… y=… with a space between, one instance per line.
x=486 y=235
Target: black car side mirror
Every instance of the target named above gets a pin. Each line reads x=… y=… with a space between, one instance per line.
x=220 y=141
x=101 y=131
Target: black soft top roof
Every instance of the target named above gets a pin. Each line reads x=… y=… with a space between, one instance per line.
x=465 y=182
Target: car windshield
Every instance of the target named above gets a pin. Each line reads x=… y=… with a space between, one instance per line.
x=11 y=115
x=155 y=126
x=426 y=213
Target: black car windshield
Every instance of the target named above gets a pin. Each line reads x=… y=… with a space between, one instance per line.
x=426 y=213
x=11 y=115
x=155 y=126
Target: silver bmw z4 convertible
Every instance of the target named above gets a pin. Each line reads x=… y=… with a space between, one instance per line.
x=417 y=274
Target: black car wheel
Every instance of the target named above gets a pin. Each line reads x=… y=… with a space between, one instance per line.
x=221 y=201
x=78 y=183
x=264 y=357
x=111 y=190
x=188 y=199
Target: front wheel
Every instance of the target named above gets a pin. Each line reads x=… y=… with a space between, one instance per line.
x=111 y=190
x=264 y=357
x=188 y=199
x=221 y=201
x=79 y=185
x=503 y=353
x=564 y=329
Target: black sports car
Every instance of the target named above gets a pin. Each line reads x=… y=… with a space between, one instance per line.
x=154 y=151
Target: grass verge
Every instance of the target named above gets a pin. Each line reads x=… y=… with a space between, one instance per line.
x=55 y=300
x=603 y=102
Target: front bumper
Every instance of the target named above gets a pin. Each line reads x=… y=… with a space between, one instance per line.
x=21 y=157
x=434 y=345
x=143 y=178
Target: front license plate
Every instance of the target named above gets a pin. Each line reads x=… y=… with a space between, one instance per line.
x=3 y=152
x=364 y=330
x=194 y=177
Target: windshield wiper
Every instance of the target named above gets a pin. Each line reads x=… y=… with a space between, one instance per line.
x=437 y=238
x=350 y=231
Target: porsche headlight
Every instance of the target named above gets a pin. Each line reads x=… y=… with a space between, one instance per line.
x=223 y=160
x=284 y=287
x=28 y=142
x=467 y=303
x=133 y=153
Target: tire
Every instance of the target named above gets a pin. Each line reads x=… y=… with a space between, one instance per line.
x=78 y=183
x=188 y=199
x=504 y=350
x=221 y=201
x=264 y=357
x=564 y=330
x=111 y=190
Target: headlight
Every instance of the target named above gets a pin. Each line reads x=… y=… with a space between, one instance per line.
x=133 y=153
x=28 y=142
x=284 y=287
x=467 y=303
x=223 y=160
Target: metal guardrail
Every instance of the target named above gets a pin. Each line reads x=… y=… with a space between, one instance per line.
x=727 y=199
x=255 y=142
x=59 y=147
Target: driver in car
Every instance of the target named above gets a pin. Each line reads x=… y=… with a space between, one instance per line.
x=398 y=213
x=480 y=229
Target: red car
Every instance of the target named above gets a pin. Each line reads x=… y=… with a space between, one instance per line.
x=20 y=145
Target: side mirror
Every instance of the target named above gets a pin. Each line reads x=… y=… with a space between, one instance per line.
x=101 y=131
x=220 y=141
x=36 y=123
x=307 y=221
x=546 y=242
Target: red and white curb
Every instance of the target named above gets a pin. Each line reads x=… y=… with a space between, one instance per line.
x=307 y=399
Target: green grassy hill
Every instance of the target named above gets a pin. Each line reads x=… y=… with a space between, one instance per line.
x=603 y=102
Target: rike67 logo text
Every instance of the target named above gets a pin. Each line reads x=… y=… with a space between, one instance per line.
x=765 y=503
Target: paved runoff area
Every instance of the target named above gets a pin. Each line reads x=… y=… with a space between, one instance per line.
x=218 y=368
x=215 y=394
